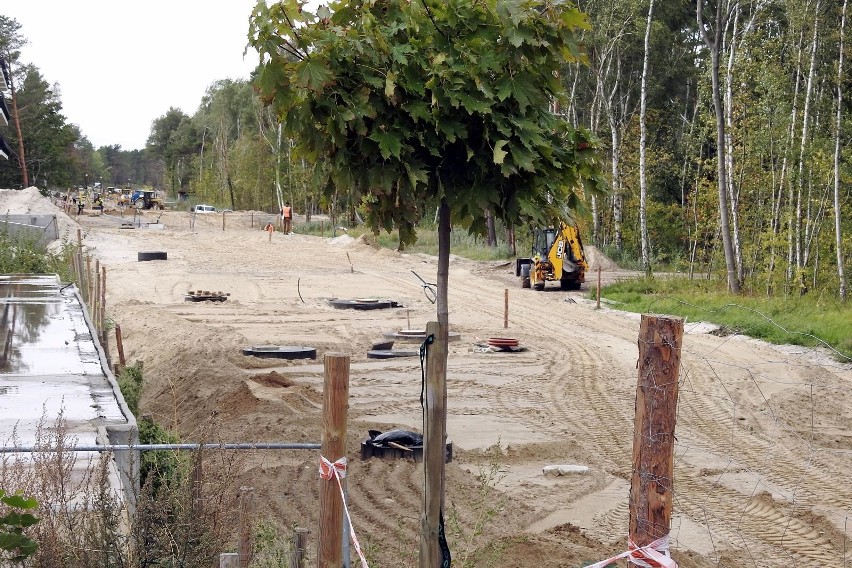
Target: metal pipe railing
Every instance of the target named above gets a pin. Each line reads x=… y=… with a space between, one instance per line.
x=152 y=447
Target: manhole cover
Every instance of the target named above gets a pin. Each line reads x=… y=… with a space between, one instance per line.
x=364 y=304
x=152 y=255
x=205 y=296
x=391 y=353
x=281 y=352
x=415 y=338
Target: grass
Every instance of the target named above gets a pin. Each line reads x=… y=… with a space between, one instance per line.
x=811 y=320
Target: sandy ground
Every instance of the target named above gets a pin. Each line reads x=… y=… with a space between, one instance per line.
x=763 y=455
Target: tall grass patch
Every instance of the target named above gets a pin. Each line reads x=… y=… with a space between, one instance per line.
x=810 y=320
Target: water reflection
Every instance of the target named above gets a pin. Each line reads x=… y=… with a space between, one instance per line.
x=31 y=321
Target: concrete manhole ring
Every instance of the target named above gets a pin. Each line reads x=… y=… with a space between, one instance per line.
x=281 y=352
x=391 y=353
x=410 y=338
x=152 y=255
x=364 y=304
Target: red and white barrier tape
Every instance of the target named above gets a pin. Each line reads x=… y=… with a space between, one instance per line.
x=654 y=555
x=337 y=470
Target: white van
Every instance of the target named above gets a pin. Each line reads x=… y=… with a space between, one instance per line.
x=204 y=209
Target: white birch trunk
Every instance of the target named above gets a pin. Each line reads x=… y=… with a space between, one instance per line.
x=643 y=185
x=797 y=237
x=733 y=190
x=838 y=236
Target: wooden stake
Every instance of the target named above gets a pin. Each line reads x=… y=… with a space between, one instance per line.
x=96 y=296
x=78 y=264
x=252 y=219
x=598 y=306
x=322 y=228
x=434 y=446
x=87 y=296
x=335 y=408
x=654 y=428
x=506 y=309
x=120 y=346
x=246 y=525
x=103 y=298
x=300 y=547
x=223 y=220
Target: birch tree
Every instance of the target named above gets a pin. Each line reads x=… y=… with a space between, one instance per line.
x=838 y=129
x=643 y=184
x=712 y=34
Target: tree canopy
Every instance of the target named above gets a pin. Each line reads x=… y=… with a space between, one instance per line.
x=406 y=102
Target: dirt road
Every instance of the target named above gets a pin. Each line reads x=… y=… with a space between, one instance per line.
x=764 y=451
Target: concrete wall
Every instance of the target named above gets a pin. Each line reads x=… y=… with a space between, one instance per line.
x=44 y=228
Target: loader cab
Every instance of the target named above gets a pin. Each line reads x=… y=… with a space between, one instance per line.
x=543 y=240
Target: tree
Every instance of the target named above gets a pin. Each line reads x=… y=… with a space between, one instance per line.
x=714 y=45
x=442 y=103
x=838 y=125
x=46 y=138
x=11 y=42
x=643 y=191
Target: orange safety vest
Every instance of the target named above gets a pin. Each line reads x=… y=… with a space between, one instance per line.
x=286 y=212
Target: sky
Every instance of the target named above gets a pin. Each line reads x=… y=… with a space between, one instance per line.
x=121 y=64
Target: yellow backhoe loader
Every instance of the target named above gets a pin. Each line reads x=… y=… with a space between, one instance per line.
x=557 y=255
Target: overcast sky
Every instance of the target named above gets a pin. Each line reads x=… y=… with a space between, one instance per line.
x=120 y=64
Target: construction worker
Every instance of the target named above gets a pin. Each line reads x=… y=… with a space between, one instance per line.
x=287 y=218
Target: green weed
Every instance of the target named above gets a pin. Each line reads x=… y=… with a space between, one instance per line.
x=810 y=320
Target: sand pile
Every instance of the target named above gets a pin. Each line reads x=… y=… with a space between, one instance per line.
x=29 y=200
x=596 y=258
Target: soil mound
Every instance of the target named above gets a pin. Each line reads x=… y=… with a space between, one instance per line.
x=596 y=258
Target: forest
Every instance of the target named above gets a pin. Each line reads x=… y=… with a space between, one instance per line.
x=722 y=130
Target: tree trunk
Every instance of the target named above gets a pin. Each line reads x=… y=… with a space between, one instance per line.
x=733 y=189
x=492 y=232
x=797 y=233
x=22 y=162
x=724 y=224
x=838 y=236
x=643 y=186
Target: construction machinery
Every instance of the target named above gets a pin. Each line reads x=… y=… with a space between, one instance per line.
x=557 y=255
x=145 y=199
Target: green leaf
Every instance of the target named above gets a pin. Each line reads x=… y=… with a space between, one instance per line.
x=20 y=502
x=499 y=153
x=390 y=143
x=313 y=74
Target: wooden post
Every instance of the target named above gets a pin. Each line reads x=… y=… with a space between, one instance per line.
x=300 y=547
x=103 y=298
x=252 y=219
x=87 y=296
x=506 y=309
x=654 y=428
x=78 y=264
x=335 y=409
x=434 y=446
x=246 y=525
x=96 y=296
x=120 y=346
x=598 y=305
x=322 y=228
x=223 y=220
x=229 y=560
